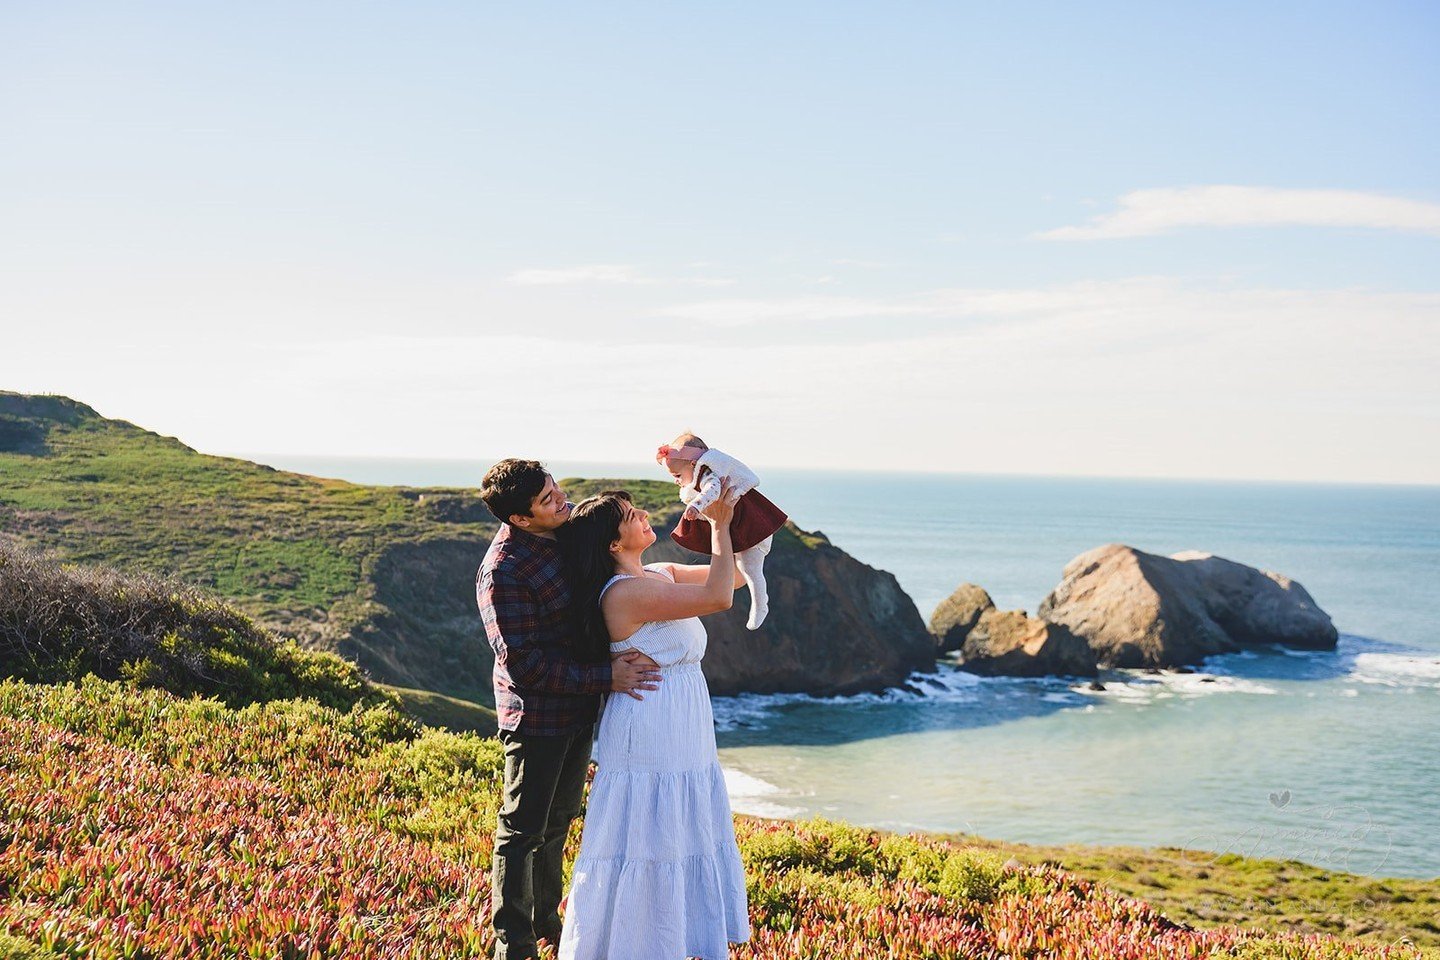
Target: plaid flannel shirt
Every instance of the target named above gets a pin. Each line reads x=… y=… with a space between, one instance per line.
x=540 y=688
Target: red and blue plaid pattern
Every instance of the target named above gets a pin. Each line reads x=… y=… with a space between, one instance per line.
x=540 y=688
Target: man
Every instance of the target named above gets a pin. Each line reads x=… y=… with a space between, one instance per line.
x=545 y=698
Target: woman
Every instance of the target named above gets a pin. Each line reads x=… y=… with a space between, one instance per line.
x=658 y=876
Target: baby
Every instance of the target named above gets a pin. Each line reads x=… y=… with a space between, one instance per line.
x=700 y=472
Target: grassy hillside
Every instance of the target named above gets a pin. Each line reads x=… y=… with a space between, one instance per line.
x=139 y=824
x=340 y=566
x=1206 y=889
x=381 y=575
x=449 y=713
x=63 y=622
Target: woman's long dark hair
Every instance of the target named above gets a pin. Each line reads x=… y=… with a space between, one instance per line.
x=585 y=541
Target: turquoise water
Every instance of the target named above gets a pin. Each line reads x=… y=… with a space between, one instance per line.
x=1331 y=758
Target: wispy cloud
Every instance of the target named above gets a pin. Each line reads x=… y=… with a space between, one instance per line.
x=1149 y=212
x=1088 y=298
x=613 y=273
x=739 y=312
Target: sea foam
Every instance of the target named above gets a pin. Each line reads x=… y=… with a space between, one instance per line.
x=1137 y=687
x=1397 y=670
x=948 y=684
x=755 y=796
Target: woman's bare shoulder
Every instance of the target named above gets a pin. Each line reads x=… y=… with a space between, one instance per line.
x=632 y=586
x=653 y=597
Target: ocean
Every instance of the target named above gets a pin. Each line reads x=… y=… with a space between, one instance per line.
x=1332 y=758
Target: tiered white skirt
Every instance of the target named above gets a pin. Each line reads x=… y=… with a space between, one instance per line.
x=659 y=875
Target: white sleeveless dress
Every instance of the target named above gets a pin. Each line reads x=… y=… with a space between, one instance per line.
x=658 y=876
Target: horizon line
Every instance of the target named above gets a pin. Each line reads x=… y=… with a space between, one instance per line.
x=1016 y=475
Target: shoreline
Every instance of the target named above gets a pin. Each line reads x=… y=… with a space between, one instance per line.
x=788 y=756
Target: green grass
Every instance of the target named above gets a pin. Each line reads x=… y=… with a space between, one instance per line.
x=65 y=622
x=307 y=573
x=109 y=492
x=449 y=713
x=297 y=553
x=1207 y=889
x=62 y=622
x=659 y=497
x=15 y=948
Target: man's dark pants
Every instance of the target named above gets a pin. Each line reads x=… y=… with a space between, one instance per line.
x=544 y=781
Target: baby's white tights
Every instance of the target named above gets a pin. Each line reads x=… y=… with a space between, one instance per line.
x=751 y=563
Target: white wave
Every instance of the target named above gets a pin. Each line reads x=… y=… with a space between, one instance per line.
x=749 y=709
x=1138 y=687
x=948 y=684
x=740 y=783
x=1397 y=670
x=749 y=795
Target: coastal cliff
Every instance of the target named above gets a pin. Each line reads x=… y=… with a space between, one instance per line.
x=384 y=576
x=835 y=624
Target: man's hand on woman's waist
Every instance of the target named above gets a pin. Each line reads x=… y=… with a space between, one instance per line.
x=632 y=671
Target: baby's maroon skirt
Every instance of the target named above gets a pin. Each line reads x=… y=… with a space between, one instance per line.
x=755 y=519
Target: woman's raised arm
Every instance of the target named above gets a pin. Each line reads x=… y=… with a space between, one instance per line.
x=695 y=573
x=642 y=599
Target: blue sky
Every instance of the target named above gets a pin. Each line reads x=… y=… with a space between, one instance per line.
x=1115 y=239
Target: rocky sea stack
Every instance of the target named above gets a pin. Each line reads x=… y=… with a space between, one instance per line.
x=1117 y=606
x=1138 y=609
x=957 y=615
x=1013 y=644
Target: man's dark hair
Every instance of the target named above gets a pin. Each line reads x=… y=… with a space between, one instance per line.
x=511 y=485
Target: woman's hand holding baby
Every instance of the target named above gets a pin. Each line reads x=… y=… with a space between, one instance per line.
x=722 y=510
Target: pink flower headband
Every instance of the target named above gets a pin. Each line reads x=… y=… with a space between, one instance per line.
x=667 y=452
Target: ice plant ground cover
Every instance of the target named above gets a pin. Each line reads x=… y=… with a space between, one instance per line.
x=137 y=824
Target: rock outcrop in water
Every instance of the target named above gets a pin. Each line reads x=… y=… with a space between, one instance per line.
x=1122 y=607
x=1137 y=609
x=1011 y=643
x=957 y=615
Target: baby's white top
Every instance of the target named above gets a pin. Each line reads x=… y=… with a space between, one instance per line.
x=717 y=467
